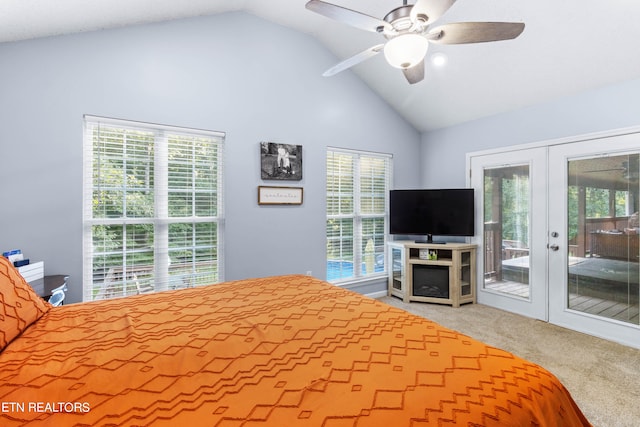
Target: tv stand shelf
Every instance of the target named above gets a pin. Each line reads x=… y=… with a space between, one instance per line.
x=430 y=272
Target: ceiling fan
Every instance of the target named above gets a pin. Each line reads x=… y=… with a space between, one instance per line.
x=408 y=32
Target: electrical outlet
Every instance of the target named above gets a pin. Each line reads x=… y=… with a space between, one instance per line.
x=309 y=273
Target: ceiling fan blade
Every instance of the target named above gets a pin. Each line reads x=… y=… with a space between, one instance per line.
x=432 y=9
x=348 y=16
x=475 y=32
x=414 y=74
x=354 y=60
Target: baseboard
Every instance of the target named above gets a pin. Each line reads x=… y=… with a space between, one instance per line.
x=376 y=295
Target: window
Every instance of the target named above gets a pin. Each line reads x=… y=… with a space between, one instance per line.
x=357 y=199
x=152 y=208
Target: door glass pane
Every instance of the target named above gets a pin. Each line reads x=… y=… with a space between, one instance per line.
x=603 y=237
x=506 y=230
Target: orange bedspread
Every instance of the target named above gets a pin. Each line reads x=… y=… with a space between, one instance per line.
x=280 y=351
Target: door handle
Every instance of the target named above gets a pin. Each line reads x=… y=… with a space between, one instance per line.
x=553 y=247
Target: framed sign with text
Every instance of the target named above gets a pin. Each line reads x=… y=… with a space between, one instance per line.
x=279 y=195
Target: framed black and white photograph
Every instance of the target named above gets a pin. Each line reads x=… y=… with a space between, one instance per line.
x=279 y=195
x=280 y=161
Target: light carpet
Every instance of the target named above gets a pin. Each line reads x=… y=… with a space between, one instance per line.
x=602 y=376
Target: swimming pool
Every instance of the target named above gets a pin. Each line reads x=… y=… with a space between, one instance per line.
x=337 y=270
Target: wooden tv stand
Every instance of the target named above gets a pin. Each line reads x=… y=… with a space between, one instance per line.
x=448 y=276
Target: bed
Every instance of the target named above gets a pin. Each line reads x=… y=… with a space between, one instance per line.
x=277 y=351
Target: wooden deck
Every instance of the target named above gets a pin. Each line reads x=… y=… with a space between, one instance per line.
x=628 y=313
x=507 y=287
x=624 y=312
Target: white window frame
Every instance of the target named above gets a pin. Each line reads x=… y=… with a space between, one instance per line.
x=358 y=216
x=161 y=220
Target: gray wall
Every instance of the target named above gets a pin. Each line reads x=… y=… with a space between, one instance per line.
x=443 y=151
x=235 y=73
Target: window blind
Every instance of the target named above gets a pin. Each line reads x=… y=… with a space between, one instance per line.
x=358 y=185
x=152 y=207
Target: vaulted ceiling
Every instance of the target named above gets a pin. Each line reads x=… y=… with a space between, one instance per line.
x=567 y=46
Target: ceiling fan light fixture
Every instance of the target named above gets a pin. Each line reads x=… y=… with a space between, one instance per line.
x=406 y=50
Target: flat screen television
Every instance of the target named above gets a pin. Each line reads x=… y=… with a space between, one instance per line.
x=432 y=212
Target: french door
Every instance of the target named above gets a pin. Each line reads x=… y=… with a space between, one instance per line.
x=511 y=226
x=559 y=233
x=593 y=212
